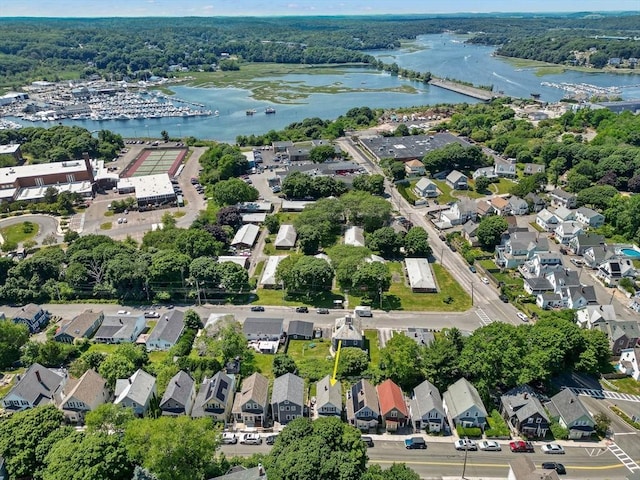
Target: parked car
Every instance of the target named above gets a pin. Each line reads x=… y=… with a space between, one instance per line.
x=271 y=439
x=302 y=310
x=485 y=280
x=520 y=446
x=257 y=308
x=123 y=312
x=558 y=467
x=553 y=449
x=465 y=444
x=151 y=314
x=472 y=269
x=368 y=441
x=229 y=438
x=169 y=307
x=251 y=439
x=504 y=298
x=522 y=317
x=489 y=446
x=322 y=311
x=414 y=443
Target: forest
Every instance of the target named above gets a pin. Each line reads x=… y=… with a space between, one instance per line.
x=54 y=49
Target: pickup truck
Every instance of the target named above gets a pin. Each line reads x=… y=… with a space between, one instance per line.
x=520 y=446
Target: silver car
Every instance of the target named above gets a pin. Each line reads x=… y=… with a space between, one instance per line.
x=489 y=446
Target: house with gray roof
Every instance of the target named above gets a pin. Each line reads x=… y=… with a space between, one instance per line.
x=300 y=330
x=470 y=233
x=263 y=329
x=354 y=236
x=565 y=231
x=33 y=316
x=505 y=167
x=463 y=405
x=286 y=237
x=595 y=256
x=426 y=188
x=81 y=326
x=537 y=285
x=564 y=214
x=422 y=336
x=427 y=411
x=82 y=395
x=614 y=270
x=120 y=328
x=251 y=404
x=287 y=398
x=242 y=473
x=570 y=412
x=533 y=168
x=583 y=241
x=457 y=180
x=518 y=206
x=518 y=247
x=563 y=278
x=246 y=236
x=328 y=398
x=621 y=334
x=136 y=392
x=363 y=409
x=215 y=397
x=524 y=412
x=561 y=198
x=459 y=213
x=37 y=386
x=591 y=315
x=348 y=330
x=179 y=396
x=546 y=220
x=589 y=217
x=167 y=331
x=488 y=172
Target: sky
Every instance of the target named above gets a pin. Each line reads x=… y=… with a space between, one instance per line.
x=205 y=8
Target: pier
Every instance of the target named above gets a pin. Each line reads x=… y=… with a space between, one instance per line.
x=473 y=92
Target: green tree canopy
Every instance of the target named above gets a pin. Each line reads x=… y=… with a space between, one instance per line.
x=416 y=242
x=399 y=360
x=233 y=191
x=12 y=337
x=490 y=230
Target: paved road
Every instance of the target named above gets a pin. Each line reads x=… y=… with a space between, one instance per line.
x=46 y=225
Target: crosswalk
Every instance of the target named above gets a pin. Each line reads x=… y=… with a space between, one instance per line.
x=608 y=394
x=625 y=459
x=484 y=318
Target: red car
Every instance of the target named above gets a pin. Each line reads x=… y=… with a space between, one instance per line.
x=520 y=446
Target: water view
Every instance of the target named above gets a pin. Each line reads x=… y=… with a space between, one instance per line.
x=444 y=55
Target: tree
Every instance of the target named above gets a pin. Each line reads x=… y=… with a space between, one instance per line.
x=385 y=241
x=233 y=191
x=70 y=236
x=372 y=277
x=373 y=184
x=233 y=277
x=363 y=209
x=12 y=337
x=115 y=367
x=400 y=360
x=322 y=153
x=305 y=274
x=282 y=364
x=192 y=319
x=108 y=418
x=172 y=448
x=603 y=422
x=80 y=456
x=309 y=238
x=397 y=471
x=490 y=231
x=332 y=450
x=197 y=243
x=416 y=242
x=230 y=216
x=353 y=361
x=482 y=184
x=165 y=136
x=229 y=343
x=272 y=222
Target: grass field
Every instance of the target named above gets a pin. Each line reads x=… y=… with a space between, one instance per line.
x=19 y=232
x=267 y=296
x=501 y=187
x=625 y=385
x=106 y=226
x=373 y=346
x=264 y=364
x=312 y=356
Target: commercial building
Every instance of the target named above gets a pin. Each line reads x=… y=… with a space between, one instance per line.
x=420 y=275
x=149 y=189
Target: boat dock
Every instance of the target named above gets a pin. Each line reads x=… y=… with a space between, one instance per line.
x=473 y=92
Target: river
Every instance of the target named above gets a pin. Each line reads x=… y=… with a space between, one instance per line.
x=444 y=55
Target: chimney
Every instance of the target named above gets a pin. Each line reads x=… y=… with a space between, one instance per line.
x=260 y=470
x=129 y=380
x=38 y=376
x=526 y=396
x=120 y=320
x=177 y=384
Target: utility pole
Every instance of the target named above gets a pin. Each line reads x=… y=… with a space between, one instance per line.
x=472 y=293
x=466 y=451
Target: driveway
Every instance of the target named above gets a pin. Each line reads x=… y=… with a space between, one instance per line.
x=47 y=225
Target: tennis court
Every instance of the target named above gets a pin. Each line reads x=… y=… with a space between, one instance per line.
x=152 y=161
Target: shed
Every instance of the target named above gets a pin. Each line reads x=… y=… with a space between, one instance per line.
x=420 y=275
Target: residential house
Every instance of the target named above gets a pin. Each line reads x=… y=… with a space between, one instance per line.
x=167 y=331
x=518 y=247
x=505 y=167
x=426 y=188
x=393 y=408
x=483 y=208
x=179 y=396
x=569 y=411
x=120 y=328
x=4 y=475
x=268 y=279
x=215 y=398
x=470 y=233
x=286 y=237
x=565 y=231
x=518 y=206
x=621 y=334
x=564 y=214
x=136 y=392
x=589 y=218
x=634 y=304
x=544 y=263
x=328 y=398
x=251 y=404
x=35 y=387
x=629 y=362
x=536 y=202
x=246 y=236
x=81 y=326
x=459 y=213
x=563 y=278
x=523 y=468
x=263 y=329
x=533 y=168
x=524 y=413
x=583 y=241
x=287 y=398
x=414 y=168
x=537 y=286
x=546 y=220
x=488 y=172
x=82 y=395
x=549 y=300
x=363 y=410
x=614 y=270
x=595 y=256
x=591 y=315
x=560 y=198
x=354 y=236
x=422 y=336
x=348 y=331
x=463 y=405
x=574 y=298
x=33 y=316
x=427 y=412
x=457 y=180
x=420 y=276
x=240 y=472
x=500 y=206
x=282 y=146
x=300 y=330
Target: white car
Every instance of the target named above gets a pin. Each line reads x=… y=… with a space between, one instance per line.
x=229 y=438
x=251 y=439
x=485 y=280
x=123 y=312
x=151 y=314
x=553 y=449
x=466 y=444
x=522 y=317
x=489 y=446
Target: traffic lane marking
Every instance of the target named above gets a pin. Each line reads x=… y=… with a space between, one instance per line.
x=493 y=465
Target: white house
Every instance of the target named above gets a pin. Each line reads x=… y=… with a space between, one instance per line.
x=286 y=237
x=566 y=231
x=354 y=236
x=546 y=220
x=629 y=362
x=505 y=167
x=589 y=217
x=426 y=188
x=457 y=180
x=518 y=206
x=414 y=168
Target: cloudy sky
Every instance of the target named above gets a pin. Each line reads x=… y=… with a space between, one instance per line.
x=179 y=8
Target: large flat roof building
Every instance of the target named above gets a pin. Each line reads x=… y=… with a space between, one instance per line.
x=149 y=189
x=407 y=148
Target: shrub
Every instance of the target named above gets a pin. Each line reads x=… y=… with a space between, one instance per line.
x=559 y=432
x=473 y=432
x=497 y=426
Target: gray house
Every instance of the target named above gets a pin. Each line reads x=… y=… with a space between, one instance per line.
x=215 y=397
x=136 y=391
x=300 y=330
x=263 y=329
x=287 y=398
x=179 y=396
x=37 y=386
x=81 y=326
x=252 y=402
x=328 y=398
x=363 y=409
x=457 y=180
x=167 y=331
x=426 y=188
x=120 y=328
x=33 y=316
x=426 y=408
x=463 y=405
x=569 y=411
x=348 y=330
x=524 y=413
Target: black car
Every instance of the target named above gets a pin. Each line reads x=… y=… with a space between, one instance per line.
x=271 y=439
x=368 y=441
x=257 y=308
x=558 y=467
x=504 y=298
x=323 y=311
x=302 y=310
x=415 y=443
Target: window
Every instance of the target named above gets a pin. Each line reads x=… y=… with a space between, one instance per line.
x=476 y=414
x=282 y=408
x=393 y=413
x=71 y=177
x=538 y=420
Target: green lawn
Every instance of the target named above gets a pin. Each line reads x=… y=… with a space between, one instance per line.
x=268 y=296
x=312 y=355
x=269 y=247
x=450 y=195
x=625 y=385
x=264 y=364
x=106 y=226
x=19 y=232
x=407 y=191
x=537 y=227
x=287 y=218
x=257 y=273
x=157 y=356
x=502 y=186
x=371 y=343
x=106 y=348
